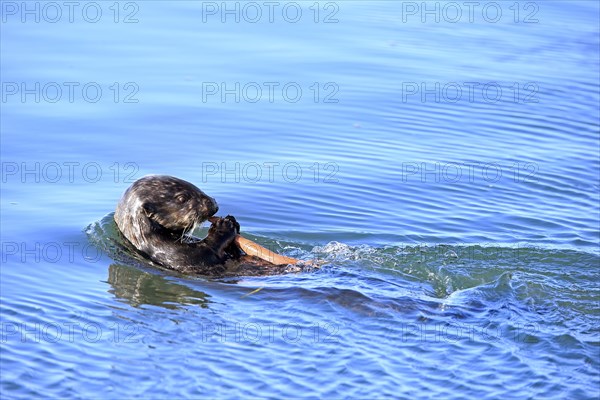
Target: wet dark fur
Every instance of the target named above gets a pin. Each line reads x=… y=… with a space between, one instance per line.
x=157 y=213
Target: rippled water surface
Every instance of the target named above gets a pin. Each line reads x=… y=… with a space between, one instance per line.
x=444 y=172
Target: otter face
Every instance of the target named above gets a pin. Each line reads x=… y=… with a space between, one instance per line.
x=173 y=203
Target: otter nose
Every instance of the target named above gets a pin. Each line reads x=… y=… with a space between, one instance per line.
x=211 y=205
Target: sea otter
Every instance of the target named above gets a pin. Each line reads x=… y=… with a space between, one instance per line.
x=156 y=214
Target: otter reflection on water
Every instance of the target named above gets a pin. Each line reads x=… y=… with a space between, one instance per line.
x=138 y=288
x=156 y=215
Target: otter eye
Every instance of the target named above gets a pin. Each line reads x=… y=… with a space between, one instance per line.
x=181 y=199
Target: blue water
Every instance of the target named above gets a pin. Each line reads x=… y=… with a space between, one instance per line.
x=442 y=164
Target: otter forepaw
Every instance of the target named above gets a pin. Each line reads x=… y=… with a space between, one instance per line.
x=224 y=230
x=235 y=223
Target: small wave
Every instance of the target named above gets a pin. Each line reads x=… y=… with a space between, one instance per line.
x=446 y=267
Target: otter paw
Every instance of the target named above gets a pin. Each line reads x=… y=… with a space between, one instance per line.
x=224 y=229
x=235 y=223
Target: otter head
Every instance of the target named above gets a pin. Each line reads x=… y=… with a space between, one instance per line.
x=173 y=203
